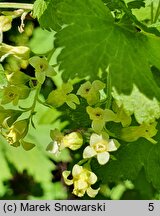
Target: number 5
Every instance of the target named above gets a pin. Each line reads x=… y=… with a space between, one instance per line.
x=151 y=206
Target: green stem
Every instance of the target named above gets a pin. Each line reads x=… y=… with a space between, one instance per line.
x=16 y=5
x=110 y=133
x=157 y=13
x=35 y=100
x=83 y=161
x=109 y=89
x=152 y=14
x=1 y=37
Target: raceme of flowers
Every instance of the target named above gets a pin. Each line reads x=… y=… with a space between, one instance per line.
x=99 y=145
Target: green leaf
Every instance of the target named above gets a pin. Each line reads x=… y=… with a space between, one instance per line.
x=44 y=38
x=136 y=4
x=93 y=41
x=131 y=158
x=145 y=110
x=112 y=4
x=3 y=79
x=27 y=145
x=46 y=11
x=39 y=7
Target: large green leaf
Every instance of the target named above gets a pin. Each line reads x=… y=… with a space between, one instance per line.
x=46 y=12
x=93 y=40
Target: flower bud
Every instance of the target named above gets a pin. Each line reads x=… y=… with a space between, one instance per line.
x=73 y=140
x=5 y=23
x=20 y=52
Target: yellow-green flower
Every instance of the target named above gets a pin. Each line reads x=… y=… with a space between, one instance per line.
x=91 y=91
x=54 y=147
x=72 y=141
x=82 y=181
x=5 y=23
x=62 y=95
x=100 y=147
x=42 y=68
x=121 y=115
x=13 y=93
x=133 y=133
x=17 y=132
x=99 y=117
x=20 y=52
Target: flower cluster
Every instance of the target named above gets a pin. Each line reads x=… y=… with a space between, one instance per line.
x=100 y=142
x=82 y=181
x=83 y=178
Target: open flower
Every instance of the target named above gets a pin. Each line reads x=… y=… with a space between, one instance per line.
x=100 y=147
x=17 y=132
x=62 y=95
x=13 y=93
x=100 y=117
x=91 y=91
x=42 y=68
x=82 y=181
x=133 y=133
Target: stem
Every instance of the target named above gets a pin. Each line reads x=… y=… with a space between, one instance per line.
x=35 y=100
x=157 y=13
x=83 y=161
x=152 y=15
x=109 y=89
x=1 y=37
x=110 y=133
x=16 y=5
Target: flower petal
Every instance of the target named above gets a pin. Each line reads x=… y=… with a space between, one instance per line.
x=79 y=193
x=40 y=76
x=50 y=72
x=98 y=125
x=80 y=184
x=65 y=175
x=91 y=192
x=53 y=147
x=103 y=158
x=95 y=138
x=77 y=170
x=92 y=178
x=89 y=152
x=113 y=145
x=109 y=115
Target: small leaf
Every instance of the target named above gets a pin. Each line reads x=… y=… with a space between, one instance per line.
x=39 y=7
x=27 y=145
